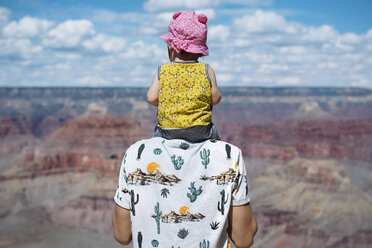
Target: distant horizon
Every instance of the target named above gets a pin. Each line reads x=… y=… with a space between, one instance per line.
x=222 y=87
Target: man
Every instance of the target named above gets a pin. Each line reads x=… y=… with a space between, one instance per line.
x=177 y=194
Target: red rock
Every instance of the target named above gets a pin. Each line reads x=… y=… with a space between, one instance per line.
x=90 y=213
x=349 y=140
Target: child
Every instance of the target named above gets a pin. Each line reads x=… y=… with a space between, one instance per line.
x=184 y=89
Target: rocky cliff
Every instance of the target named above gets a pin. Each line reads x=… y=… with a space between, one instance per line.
x=307 y=151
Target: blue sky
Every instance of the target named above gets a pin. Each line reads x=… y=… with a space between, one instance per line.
x=265 y=43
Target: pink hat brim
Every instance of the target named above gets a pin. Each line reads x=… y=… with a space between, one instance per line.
x=171 y=40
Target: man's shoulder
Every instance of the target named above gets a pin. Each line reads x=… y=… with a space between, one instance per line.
x=216 y=144
x=151 y=142
x=223 y=145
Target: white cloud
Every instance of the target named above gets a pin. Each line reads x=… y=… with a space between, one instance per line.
x=70 y=56
x=4 y=16
x=218 y=33
x=256 y=47
x=140 y=50
x=18 y=49
x=210 y=13
x=343 y=46
x=270 y=68
x=247 y=80
x=27 y=27
x=261 y=21
x=324 y=33
x=156 y=24
x=359 y=81
x=93 y=80
x=293 y=50
x=105 y=43
x=351 y=38
x=327 y=65
x=265 y=80
x=118 y=18
x=175 y=5
x=369 y=47
x=273 y=51
x=149 y=30
x=59 y=66
x=368 y=35
x=225 y=78
x=249 y=2
x=289 y=81
x=238 y=42
x=69 y=34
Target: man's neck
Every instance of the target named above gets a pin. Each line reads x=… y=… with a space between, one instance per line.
x=183 y=60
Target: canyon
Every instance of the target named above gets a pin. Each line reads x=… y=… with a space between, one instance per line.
x=307 y=151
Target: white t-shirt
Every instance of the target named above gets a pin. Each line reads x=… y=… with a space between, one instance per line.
x=180 y=193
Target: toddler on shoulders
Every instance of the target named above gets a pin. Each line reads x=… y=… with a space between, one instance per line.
x=185 y=89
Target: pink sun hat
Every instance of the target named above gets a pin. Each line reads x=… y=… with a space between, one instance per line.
x=187 y=31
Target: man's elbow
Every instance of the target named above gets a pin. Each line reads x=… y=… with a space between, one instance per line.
x=123 y=239
x=244 y=243
x=246 y=240
x=121 y=226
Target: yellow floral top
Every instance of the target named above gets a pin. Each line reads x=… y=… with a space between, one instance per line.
x=184 y=95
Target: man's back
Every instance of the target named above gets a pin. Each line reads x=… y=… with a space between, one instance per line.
x=179 y=194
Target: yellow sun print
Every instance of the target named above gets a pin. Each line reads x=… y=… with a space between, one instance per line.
x=184 y=209
x=153 y=167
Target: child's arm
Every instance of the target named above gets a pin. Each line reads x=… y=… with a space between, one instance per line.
x=153 y=92
x=216 y=95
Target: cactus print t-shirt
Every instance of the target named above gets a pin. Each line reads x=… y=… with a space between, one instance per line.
x=179 y=193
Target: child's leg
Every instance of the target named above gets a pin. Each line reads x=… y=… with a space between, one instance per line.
x=213 y=132
x=191 y=134
x=157 y=132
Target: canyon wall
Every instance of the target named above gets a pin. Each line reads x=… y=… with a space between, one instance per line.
x=308 y=153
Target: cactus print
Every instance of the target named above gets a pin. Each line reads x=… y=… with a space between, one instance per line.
x=177 y=162
x=205 y=157
x=164 y=193
x=182 y=233
x=157 y=151
x=154 y=243
x=204 y=244
x=157 y=215
x=139 y=239
x=133 y=202
x=140 y=150
x=180 y=196
x=194 y=192
x=184 y=145
x=221 y=204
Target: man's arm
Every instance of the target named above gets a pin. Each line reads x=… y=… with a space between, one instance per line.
x=122 y=225
x=242 y=225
